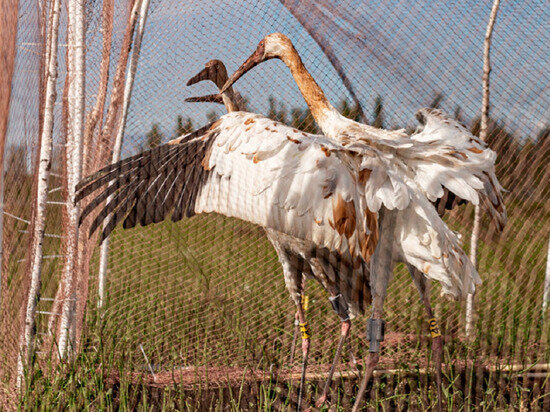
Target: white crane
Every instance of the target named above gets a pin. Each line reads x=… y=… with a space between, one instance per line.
x=443 y=156
x=247 y=166
x=344 y=278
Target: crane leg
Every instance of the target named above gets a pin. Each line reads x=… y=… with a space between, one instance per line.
x=423 y=286
x=305 y=306
x=382 y=263
x=294 y=338
x=437 y=349
x=304 y=330
x=339 y=306
x=375 y=334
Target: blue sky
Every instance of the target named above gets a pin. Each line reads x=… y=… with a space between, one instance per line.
x=405 y=51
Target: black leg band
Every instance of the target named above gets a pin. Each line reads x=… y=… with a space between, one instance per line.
x=375 y=333
x=340 y=306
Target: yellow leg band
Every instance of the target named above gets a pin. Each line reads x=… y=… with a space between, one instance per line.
x=304 y=328
x=434 y=329
x=305 y=302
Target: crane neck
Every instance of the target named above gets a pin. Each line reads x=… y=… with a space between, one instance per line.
x=313 y=94
x=229 y=100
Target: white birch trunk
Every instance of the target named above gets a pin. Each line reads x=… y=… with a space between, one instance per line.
x=482 y=135
x=27 y=339
x=128 y=86
x=75 y=123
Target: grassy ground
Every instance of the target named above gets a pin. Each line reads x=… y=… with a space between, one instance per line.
x=208 y=293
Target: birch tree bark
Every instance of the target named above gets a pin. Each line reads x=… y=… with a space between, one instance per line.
x=43 y=173
x=101 y=147
x=75 y=122
x=94 y=117
x=482 y=135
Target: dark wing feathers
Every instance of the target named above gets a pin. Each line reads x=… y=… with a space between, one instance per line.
x=99 y=178
x=447 y=202
x=145 y=187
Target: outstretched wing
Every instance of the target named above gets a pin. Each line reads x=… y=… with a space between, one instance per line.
x=448 y=156
x=245 y=166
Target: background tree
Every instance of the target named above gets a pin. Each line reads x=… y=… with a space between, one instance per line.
x=353 y=113
x=274 y=113
x=436 y=101
x=182 y=127
x=211 y=116
x=154 y=137
x=378 y=112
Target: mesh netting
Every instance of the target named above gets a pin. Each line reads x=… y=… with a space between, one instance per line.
x=209 y=291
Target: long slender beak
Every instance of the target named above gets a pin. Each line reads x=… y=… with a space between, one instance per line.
x=199 y=77
x=255 y=59
x=210 y=98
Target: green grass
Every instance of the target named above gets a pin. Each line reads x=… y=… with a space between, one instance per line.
x=208 y=292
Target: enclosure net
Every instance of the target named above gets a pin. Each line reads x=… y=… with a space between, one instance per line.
x=208 y=291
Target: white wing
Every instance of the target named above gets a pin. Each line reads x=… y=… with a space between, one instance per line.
x=448 y=155
x=428 y=244
x=245 y=166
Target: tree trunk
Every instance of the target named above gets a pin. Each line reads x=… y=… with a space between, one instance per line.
x=26 y=347
x=482 y=135
x=75 y=122
x=8 y=31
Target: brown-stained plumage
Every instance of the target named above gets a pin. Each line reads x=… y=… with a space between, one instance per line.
x=344 y=216
x=435 y=160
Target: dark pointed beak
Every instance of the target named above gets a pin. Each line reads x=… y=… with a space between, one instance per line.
x=256 y=58
x=199 y=77
x=211 y=98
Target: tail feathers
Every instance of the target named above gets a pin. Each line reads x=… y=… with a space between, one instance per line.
x=430 y=246
x=492 y=201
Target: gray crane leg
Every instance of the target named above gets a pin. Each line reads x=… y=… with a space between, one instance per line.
x=423 y=286
x=304 y=329
x=305 y=304
x=382 y=264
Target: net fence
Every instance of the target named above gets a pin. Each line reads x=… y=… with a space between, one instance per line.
x=207 y=293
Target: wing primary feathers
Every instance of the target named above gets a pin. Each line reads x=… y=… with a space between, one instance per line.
x=186 y=200
x=109 y=207
x=146 y=187
x=112 y=172
x=99 y=178
x=112 y=188
x=118 y=215
x=122 y=165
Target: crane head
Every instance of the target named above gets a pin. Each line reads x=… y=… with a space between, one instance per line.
x=273 y=46
x=214 y=71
